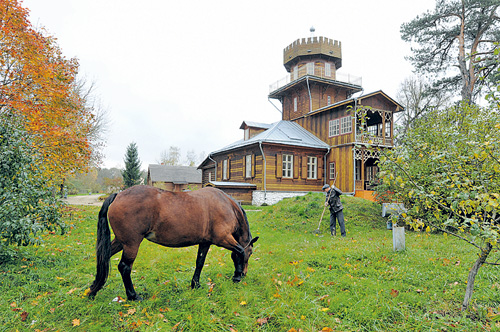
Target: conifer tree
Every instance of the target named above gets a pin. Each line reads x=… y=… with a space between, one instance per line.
x=132 y=173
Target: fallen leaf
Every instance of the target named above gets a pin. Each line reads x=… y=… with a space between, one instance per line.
x=131 y=311
x=24 y=316
x=262 y=321
x=324 y=309
x=13 y=304
x=243 y=303
x=394 y=292
x=72 y=290
x=76 y=322
x=326 y=329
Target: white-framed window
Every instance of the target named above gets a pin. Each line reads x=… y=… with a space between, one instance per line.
x=295 y=72
x=328 y=69
x=388 y=129
x=329 y=100
x=310 y=68
x=333 y=127
x=331 y=171
x=247 y=133
x=224 y=169
x=373 y=130
x=287 y=166
x=345 y=125
x=295 y=102
x=248 y=166
x=371 y=172
x=312 y=167
x=358 y=169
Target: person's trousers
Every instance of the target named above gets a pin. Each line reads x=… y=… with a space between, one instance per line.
x=339 y=216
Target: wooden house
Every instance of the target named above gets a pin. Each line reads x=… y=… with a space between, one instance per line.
x=319 y=139
x=174 y=178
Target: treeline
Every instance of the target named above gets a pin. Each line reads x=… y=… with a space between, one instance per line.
x=97 y=180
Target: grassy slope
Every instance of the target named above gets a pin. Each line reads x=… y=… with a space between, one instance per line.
x=297 y=280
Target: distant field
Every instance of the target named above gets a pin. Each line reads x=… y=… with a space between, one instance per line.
x=297 y=281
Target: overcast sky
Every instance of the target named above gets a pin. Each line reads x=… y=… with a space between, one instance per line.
x=188 y=73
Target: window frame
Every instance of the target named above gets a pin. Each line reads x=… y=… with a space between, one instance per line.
x=248 y=166
x=345 y=125
x=333 y=127
x=224 y=169
x=330 y=169
x=287 y=166
x=312 y=168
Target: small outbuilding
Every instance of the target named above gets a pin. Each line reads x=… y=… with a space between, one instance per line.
x=174 y=178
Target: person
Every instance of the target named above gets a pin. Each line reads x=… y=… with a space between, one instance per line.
x=336 y=209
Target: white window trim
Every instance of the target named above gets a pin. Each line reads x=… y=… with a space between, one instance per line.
x=328 y=69
x=312 y=168
x=332 y=170
x=310 y=68
x=333 y=127
x=287 y=166
x=295 y=104
x=224 y=169
x=345 y=125
x=248 y=166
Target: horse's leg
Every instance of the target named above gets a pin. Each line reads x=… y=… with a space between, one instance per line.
x=125 y=268
x=200 y=261
x=238 y=256
x=116 y=247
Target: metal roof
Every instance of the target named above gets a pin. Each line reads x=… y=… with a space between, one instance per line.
x=175 y=174
x=281 y=132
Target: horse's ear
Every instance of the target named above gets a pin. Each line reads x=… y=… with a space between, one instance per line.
x=254 y=240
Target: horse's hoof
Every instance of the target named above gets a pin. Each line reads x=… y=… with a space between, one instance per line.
x=236 y=279
x=136 y=298
x=195 y=285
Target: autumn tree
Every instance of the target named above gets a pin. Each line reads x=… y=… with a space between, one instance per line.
x=414 y=94
x=132 y=172
x=171 y=157
x=447 y=173
x=454 y=44
x=38 y=84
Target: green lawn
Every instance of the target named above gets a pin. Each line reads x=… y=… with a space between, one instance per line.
x=297 y=280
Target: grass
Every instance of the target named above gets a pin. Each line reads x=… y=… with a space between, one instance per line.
x=297 y=281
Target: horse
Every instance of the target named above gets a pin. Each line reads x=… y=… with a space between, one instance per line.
x=173 y=219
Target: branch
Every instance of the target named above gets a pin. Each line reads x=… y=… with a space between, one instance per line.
x=455 y=235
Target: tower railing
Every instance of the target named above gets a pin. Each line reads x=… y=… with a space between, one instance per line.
x=318 y=72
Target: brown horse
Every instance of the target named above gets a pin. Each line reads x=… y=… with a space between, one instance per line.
x=202 y=217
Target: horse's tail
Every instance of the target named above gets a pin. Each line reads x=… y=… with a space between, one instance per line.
x=103 y=247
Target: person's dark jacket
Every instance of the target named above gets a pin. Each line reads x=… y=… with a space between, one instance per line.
x=333 y=199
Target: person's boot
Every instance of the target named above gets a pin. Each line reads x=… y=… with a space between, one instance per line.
x=333 y=232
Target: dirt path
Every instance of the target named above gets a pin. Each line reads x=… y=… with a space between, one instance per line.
x=84 y=200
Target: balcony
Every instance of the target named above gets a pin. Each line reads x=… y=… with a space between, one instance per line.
x=316 y=72
x=374 y=140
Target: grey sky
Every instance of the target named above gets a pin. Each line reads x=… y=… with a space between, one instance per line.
x=187 y=73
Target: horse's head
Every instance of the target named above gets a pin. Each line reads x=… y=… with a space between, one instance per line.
x=248 y=253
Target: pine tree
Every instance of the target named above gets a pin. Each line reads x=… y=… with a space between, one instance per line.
x=132 y=173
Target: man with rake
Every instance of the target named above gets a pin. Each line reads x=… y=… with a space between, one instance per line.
x=335 y=206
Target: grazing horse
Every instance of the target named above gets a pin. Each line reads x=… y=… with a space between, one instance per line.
x=202 y=217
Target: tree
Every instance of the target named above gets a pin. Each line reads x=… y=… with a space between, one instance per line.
x=38 y=84
x=132 y=173
x=459 y=34
x=28 y=208
x=171 y=157
x=447 y=173
x=414 y=95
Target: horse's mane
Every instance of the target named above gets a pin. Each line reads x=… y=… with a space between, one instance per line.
x=240 y=213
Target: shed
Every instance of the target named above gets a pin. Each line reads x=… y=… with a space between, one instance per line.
x=174 y=178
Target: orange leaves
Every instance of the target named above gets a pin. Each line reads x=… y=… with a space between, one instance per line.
x=39 y=84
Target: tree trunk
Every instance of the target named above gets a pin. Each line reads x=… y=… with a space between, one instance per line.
x=472 y=275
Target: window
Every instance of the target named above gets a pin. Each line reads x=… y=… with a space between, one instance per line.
x=328 y=69
x=310 y=68
x=287 y=166
x=371 y=172
x=387 y=129
x=224 y=169
x=295 y=104
x=329 y=102
x=333 y=128
x=332 y=171
x=358 y=169
x=312 y=167
x=345 y=125
x=295 y=72
x=248 y=166
x=247 y=133
x=372 y=130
